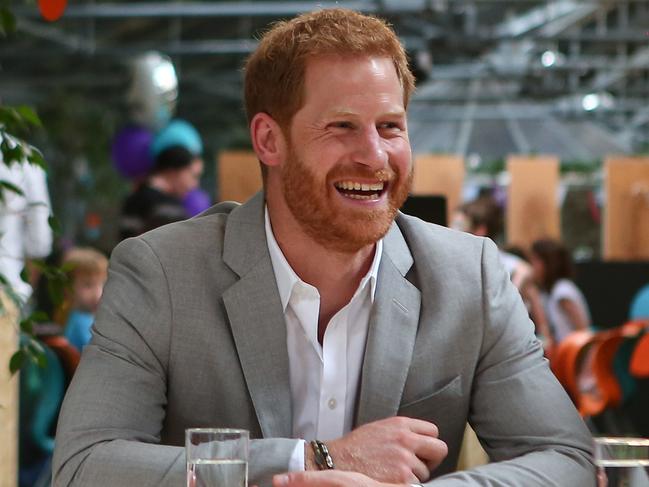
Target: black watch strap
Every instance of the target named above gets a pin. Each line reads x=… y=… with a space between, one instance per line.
x=322 y=457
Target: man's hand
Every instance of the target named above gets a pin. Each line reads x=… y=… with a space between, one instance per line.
x=399 y=450
x=328 y=478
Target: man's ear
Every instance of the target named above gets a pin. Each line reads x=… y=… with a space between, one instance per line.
x=267 y=139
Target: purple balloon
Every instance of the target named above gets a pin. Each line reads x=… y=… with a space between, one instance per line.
x=130 y=151
x=196 y=201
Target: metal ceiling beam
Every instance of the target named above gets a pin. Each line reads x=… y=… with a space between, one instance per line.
x=619 y=70
x=579 y=15
x=535 y=18
x=225 y=9
x=182 y=48
x=53 y=34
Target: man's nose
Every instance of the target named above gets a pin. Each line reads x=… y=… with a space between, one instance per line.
x=370 y=149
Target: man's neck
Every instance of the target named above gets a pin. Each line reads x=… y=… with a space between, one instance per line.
x=336 y=275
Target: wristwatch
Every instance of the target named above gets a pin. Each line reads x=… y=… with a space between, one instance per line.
x=322 y=457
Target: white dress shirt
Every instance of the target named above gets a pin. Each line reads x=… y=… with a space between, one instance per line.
x=324 y=379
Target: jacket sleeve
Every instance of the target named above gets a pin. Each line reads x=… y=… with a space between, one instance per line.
x=521 y=414
x=109 y=431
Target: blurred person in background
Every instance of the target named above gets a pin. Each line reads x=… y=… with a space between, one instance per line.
x=554 y=271
x=24 y=229
x=88 y=273
x=158 y=200
x=483 y=217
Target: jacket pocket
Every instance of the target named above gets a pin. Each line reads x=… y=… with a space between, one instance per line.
x=443 y=398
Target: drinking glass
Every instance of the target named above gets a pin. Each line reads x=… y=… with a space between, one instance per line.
x=216 y=457
x=623 y=462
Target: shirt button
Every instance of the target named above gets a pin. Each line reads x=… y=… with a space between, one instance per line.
x=332 y=403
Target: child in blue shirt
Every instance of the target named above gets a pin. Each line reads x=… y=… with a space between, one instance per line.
x=88 y=272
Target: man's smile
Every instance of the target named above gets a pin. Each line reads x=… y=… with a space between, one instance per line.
x=360 y=191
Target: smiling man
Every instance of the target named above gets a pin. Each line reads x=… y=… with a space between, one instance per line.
x=343 y=334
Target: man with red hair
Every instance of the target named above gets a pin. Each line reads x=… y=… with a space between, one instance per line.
x=342 y=334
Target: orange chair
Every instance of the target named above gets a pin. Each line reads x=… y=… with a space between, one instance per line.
x=639 y=365
x=607 y=392
x=567 y=358
x=582 y=352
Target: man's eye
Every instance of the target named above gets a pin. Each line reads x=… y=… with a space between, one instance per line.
x=390 y=126
x=342 y=125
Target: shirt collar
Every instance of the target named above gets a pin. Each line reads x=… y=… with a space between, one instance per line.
x=287 y=278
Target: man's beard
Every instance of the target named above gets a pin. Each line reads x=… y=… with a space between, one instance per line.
x=338 y=228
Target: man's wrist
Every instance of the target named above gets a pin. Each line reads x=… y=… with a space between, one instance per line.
x=309 y=457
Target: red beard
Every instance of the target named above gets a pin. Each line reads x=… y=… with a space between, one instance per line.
x=335 y=227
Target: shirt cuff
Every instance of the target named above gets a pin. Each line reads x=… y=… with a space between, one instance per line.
x=296 y=462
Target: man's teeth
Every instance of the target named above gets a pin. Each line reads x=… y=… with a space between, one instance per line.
x=353 y=196
x=351 y=185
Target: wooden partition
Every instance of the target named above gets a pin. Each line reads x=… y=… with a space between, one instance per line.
x=626 y=220
x=440 y=175
x=8 y=396
x=532 y=207
x=239 y=175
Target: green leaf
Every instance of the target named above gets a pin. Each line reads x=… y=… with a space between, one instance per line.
x=27 y=326
x=17 y=361
x=38 y=355
x=55 y=225
x=24 y=275
x=36 y=352
x=39 y=316
x=55 y=291
x=7 y=21
x=6 y=185
x=28 y=114
x=35 y=157
x=11 y=154
x=10 y=117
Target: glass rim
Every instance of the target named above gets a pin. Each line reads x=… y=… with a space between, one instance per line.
x=216 y=430
x=621 y=440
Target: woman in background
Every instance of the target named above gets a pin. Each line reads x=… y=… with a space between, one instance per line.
x=565 y=305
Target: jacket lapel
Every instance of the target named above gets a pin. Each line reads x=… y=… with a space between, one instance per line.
x=391 y=335
x=255 y=313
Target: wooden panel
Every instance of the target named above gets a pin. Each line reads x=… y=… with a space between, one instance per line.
x=440 y=175
x=239 y=175
x=8 y=397
x=532 y=206
x=626 y=220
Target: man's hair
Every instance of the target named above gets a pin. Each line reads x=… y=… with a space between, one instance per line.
x=484 y=211
x=274 y=73
x=173 y=157
x=557 y=261
x=85 y=261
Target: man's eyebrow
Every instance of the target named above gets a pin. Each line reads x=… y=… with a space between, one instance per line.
x=343 y=112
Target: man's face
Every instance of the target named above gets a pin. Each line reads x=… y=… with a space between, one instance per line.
x=348 y=168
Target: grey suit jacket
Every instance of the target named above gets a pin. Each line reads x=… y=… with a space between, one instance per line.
x=190 y=333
